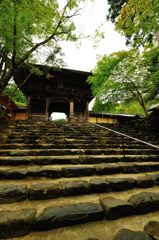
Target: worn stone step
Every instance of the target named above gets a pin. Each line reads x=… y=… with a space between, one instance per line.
x=69 y=145
x=49 y=152
x=14 y=223
x=54 y=217
x=63 y=174
x=71 y=170
x=96 y=230
x=51 y=133
x=11 y=192
x=19 y=223
x=74 y=159
x=39 y=205
x=68 y=140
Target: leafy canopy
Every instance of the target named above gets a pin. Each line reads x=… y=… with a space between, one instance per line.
x=126 y=77
x=138 y=20
x=16 y=95
x=26 y=26
x=114 y=9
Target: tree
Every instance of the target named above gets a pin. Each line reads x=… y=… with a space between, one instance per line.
x=125 y=77
x=150 y=59
x=137 y=20
x=114 y=9
x=28 y=25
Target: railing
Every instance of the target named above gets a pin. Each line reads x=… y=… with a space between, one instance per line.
x=125 y=136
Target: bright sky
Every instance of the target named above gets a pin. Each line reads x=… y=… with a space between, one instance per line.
x=84 y=57
x=91 y=17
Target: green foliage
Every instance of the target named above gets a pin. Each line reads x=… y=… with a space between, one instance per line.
x=60 y=121
x=137 y=20
x=126 y=81
x=33 y=19
x=128 y=107
x=103 y=70
x=151 y=61
x=16 y=95
x=28 y=26
x=114 y=9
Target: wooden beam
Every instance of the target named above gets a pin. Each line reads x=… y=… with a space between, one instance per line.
x=71 y=117
x=47 y=109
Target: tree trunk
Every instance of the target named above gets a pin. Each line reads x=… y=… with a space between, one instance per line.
x=136 y=93
x=5 y=79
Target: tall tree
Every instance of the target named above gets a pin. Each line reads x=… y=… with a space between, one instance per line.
x=125 y=77
x=137 y=20
x=28 y=25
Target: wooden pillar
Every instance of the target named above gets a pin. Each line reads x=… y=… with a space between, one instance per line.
x=47 y=109
x=29 y=106
x=71 y=117
x=86 y=111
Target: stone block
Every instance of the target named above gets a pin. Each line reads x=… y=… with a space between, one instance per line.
x=145 y=182
x=10 y=193
x=108 y=169
x=145 y=202
x=44 y=191
x=120 y=184
x=116 y=208
x=68 y=215
x=152 y=229
x=46 y=172
x=99 y=185
x=78 y=171
x=77 y=187
x=16 y=223
x=15 y=174
x=156 y=179
x=126 y=234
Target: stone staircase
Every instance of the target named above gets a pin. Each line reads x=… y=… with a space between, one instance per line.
x=63 y=181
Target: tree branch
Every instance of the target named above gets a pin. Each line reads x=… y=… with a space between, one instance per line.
x=14 y=33
x=47 y=39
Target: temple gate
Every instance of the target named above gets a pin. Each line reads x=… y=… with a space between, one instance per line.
x=55 y=90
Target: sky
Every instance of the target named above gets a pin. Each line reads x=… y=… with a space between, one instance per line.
x=84 y=57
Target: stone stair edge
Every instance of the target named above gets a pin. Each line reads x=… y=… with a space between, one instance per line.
x=10 y=193
x=66 y=215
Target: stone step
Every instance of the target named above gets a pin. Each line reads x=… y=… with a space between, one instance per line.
x=52 y=132
x=71 y=129
x=74 y=159
x=97 y=230
x=70 y=145
x=11 y=192
x=55 y=175
x=21 y=221
x=49 y=152
x=70 y=170
x=54 y=135
x=60 y=135
x=68 y=140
